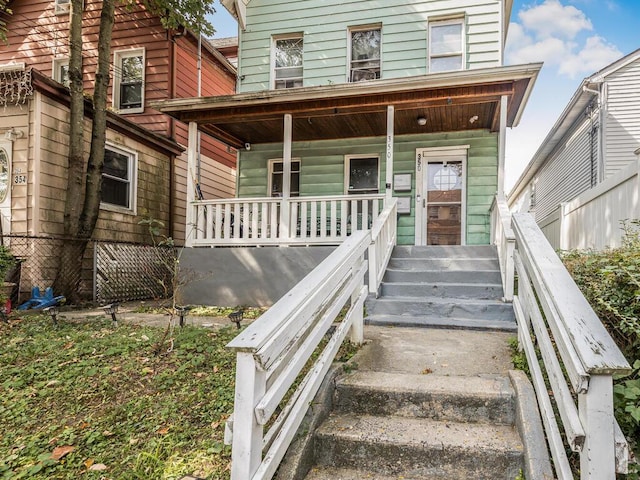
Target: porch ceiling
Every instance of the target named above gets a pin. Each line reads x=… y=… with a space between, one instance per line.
x=449 y=102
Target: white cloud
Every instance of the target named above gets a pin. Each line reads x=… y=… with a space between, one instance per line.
x=595 y=54
x=552 y=19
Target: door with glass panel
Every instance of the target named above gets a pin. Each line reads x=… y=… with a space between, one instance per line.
x=441 y=200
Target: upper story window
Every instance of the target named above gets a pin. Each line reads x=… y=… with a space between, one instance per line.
x=362 y=174
x=365 y=54
x=60 y=70
x=62 y=7
x=446 y=45
x=118 y=178
x=276 y=176
x=128 y=80
x=287 y=59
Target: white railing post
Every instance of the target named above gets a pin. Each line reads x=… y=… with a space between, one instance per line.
x=251 y=383
x=373 y=268
x=595 y=407
x=357 y=327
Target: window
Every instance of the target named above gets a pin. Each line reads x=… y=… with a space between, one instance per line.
x=60 y=70
x=128 y=80
x=287 y=70
x=118 y=177
x=62 y=7
x=276 y=176
x=365 y=55
x=446 y=46
x=362 y=174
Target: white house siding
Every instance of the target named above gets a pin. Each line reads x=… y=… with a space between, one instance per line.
x=567 y=174
x=623 y=118
x=325 y=25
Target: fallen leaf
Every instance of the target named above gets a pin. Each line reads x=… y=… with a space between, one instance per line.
x=98 y=467
x=215 y=369
x=107 y=433
x=427 y=371
x=163 y=430
x=200 y=374
x=88 y=462
x=116 y=368
x=215 y=425
x=133 y=441
x=83 y=425
x=144 y=337
x=60 y=452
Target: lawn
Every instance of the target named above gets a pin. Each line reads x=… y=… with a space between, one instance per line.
x=86 y=400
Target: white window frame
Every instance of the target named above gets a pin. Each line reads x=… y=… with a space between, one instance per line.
x=274 y=40
x=55 y=68
x=462 y=53
x=118 y=56
x=62 y=7
x=132 y=168
x=271 y=163
x=347 y=173
x=350 y=32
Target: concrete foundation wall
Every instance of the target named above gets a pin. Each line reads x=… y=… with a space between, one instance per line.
x=249 y=276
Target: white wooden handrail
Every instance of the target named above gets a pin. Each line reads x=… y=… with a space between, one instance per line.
x=503 y=238
x=550 y=303
x=273 y=351
x=383 y=239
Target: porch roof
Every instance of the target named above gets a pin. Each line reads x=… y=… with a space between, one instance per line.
x=448 y=101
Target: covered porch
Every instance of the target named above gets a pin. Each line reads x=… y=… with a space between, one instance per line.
x=288 y=123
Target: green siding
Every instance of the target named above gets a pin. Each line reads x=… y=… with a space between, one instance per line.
x=325 y=24
x=322 y=172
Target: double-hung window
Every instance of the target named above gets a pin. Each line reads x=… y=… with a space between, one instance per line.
x=365 y=54
x=362 y=174
x=287 y=61
x=62 y=7
x=276 y=176
x=60 y=70
x=118 y=177
x=128 y=80
x=446 y=45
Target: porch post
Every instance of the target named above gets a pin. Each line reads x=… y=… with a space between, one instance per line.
x=502 y=143
x=285 y=210
x=389 y=157
x=192 y=160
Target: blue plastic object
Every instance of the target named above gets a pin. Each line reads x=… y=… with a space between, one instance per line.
x=41 y=301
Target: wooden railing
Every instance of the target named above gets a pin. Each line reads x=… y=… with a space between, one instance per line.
x=570 y=337
x=503 y=238
x=273 y=351
x=276 y=221
x=383 y=239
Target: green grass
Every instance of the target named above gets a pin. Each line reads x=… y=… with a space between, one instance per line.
x=103 y=392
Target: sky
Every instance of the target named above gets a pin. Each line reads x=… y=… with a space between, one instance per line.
x=574 y=39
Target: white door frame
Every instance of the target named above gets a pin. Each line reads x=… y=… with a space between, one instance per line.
x=5 y=205
x=433 y=155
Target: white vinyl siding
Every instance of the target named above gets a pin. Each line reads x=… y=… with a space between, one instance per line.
x=623 y=118
x=324 y=23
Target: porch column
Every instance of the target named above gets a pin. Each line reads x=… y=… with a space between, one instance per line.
x=502 y=143
x=192 y=161
x=285 y=211
x=389 y=156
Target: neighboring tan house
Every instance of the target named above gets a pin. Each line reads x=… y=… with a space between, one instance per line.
x=342 y=105
x=583 y=180
x=145 y=162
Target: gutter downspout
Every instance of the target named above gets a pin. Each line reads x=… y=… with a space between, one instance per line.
x=171 y=131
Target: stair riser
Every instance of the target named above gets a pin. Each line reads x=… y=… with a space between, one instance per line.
x=444 y=290
x=441 y=461
x=444 y=277
x=449 y=323
x=475 y=251
x=449 y=264
x=437 y=406
x=389 y=306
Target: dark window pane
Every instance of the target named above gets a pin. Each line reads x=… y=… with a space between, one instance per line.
x=130 y=95
x=116 y=164
x=115 y=179
x=115 y=192
x=363 y=175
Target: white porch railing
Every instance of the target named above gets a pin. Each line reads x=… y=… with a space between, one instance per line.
x=273 y=350
x=503 y=238
x=383 y=239
x=276 y=221
x=586 y=351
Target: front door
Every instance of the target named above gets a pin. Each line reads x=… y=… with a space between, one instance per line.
x=5 y=187
x=440 y=199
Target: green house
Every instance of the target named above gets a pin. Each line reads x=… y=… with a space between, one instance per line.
x=345 y=105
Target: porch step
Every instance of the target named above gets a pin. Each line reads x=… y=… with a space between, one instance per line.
x=484 y=291
x=442 y=322
x=445 y=251
x=394 y=275
x=444 y=263
x=419 y=447
x=471 y=308
x=476 y=399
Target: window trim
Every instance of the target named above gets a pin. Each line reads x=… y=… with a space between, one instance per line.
x=271 y=162
x=274 y=40
x=56 y=63
x=347 y=173
x=463 y=44
x=133 y=180
x=62 y=7
x=118 y=56
x=362 y=28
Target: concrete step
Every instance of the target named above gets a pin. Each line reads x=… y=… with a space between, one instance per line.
x=442 y=276
x=441 y=307
x=448 y=251
x=333 y=473
x=474 y=399
x=442 y=290
x=442 y=322
x=448 y=264
x=419 y=448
